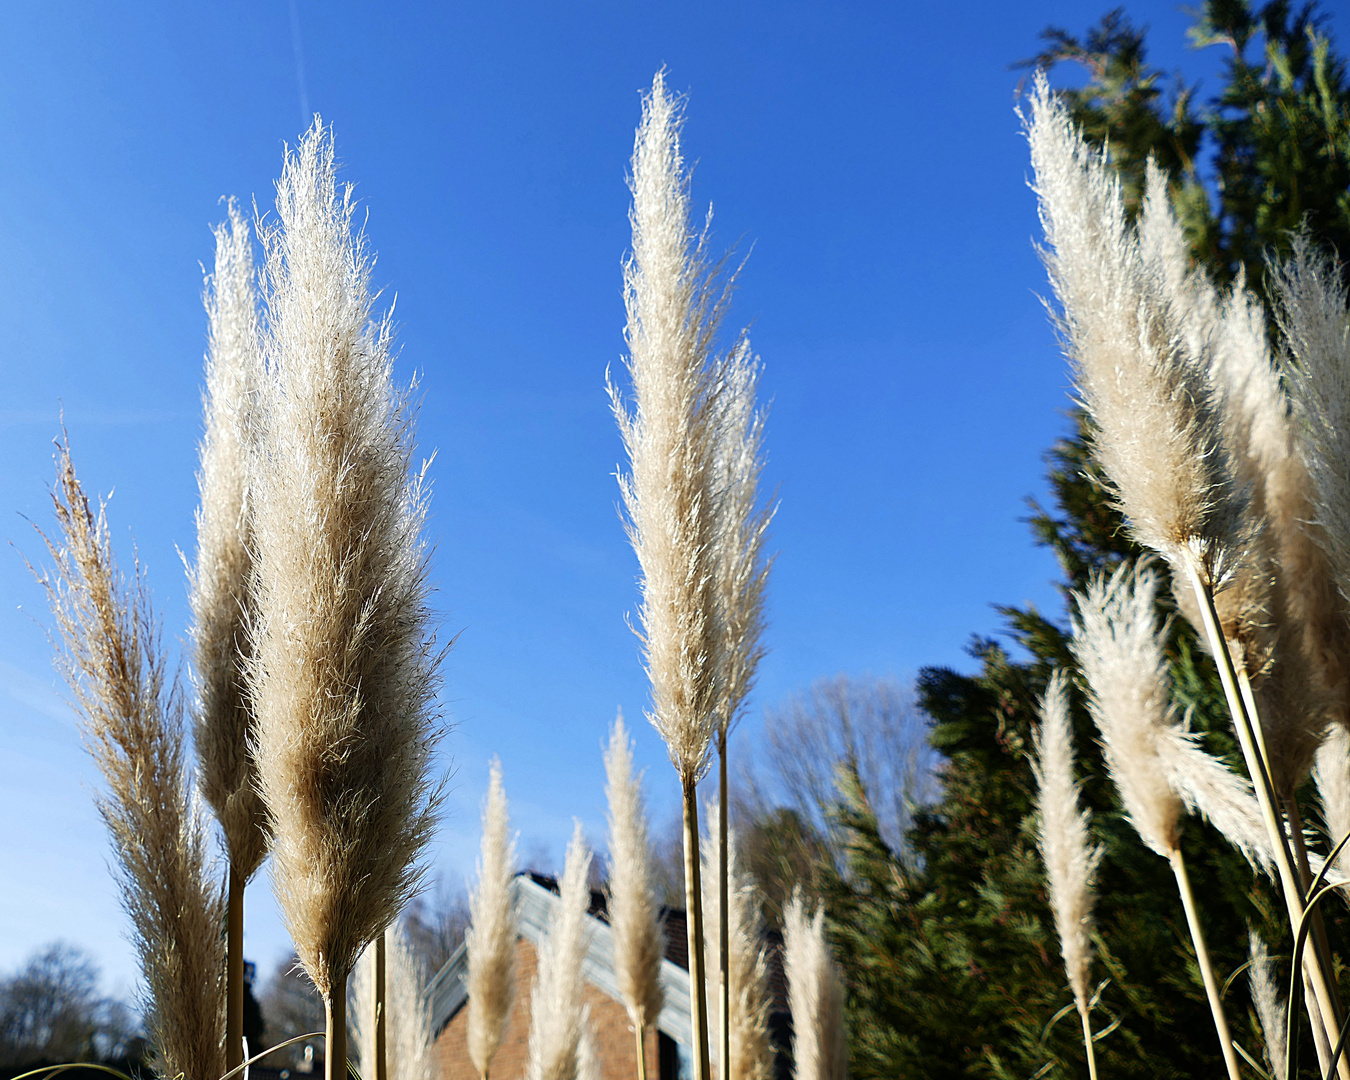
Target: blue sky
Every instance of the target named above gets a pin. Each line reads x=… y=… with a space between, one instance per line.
x=868 y=157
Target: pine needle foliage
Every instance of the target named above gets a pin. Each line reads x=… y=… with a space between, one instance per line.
x=132 y=713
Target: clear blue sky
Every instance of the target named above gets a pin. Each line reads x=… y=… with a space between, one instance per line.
x=868 y=152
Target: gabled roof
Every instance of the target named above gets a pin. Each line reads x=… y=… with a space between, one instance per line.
x=535 y=904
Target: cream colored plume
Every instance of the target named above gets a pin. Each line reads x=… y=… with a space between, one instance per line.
x=1313 y=316
x=634 y=912
x=1157 y=433
x=1066 y=848
x=741 y=529
x=345 y=673
x=748 y=971
x=559 y=1014
x=131 y=712
x=219 y=584
x=670 y=490
x=1332 y=773
x=408 y=1034
x=1280 y=612
x=490 y=941
x=815 y=996
x=1270 y=1009
x=1157 y=765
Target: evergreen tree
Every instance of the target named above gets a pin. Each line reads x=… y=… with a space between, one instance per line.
x=951 y=956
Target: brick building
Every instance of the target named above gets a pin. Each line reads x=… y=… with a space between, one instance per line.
x=666 y=1048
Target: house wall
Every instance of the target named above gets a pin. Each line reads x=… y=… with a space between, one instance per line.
x=615 y=1045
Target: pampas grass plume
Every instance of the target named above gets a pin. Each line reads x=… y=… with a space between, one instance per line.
x=1270 y=1010
x=558 y=1013
x=133 y=725
x=491 y=938
x=634 y=913
x=1332 y=774
x=1070 y=857
x=219 y=594
x=815 y=995
x=1157 y=433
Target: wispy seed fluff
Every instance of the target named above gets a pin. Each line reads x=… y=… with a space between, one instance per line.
x=1270 y=1010
x=1070 y=857
x=741 y=530
x=1153 y=410
x=748 y=971
x=673 y=311
x=815 y=996
x=219 y=584
x=558 y=1012
x=1157 y=765
x=1280 y=612
x=634 y=912
x=1332 y=774
x=408 y=1035
x=344 y=675
x=1313 y=316
x=490 y=942
x=133 y=726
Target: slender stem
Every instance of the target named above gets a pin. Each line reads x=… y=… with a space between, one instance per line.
x=1320 y=1041
x=1202 y=959
x=1087 y=1042
x=234 y=971
x=335 y=1029
x=698 y=968
x=723 y=906
x=1265 y=796
x=640 y=1031
x=381 y=1061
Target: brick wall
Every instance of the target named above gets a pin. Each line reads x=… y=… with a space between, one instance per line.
x=615 y=1045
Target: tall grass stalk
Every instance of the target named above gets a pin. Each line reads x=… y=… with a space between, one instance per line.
x=133 y=725
x=634 y=913
x=221 y=600
x=1158 y=427
x=344 y=674
x=1066 y=849
x=674 y=309
x=490 y=941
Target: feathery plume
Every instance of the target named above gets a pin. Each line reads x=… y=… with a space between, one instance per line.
x=220 y=596
x=1270 y=1011
x=558 y=1013
x=490 y=942
x=588 y=1061
x=669 y=493
x=1070 y=857
x=634 y=914
x=747 y=1020
x=132 y=718
x=1153 y=408
x=344 y=674
x=219 y=593
x=1332 y=773
x=815 y=996
x=407 y=1020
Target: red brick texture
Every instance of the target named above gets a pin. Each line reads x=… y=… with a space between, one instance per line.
x=615 y=1044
